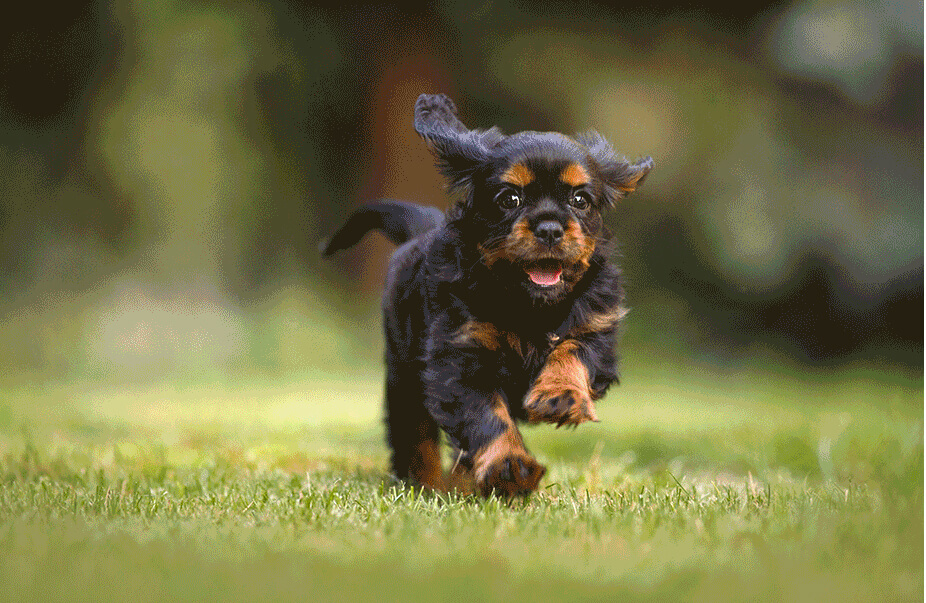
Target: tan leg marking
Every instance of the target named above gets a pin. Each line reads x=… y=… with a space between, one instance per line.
x=562 y=393
x=504 y=465
x=425 y=464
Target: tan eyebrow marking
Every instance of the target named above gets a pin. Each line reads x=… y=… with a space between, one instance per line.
x=574 y=175
x=518 y=174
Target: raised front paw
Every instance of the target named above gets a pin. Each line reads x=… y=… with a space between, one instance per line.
x=509 y=474
x=564 y=407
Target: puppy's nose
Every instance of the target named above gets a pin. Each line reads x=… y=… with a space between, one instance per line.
x=549 y=232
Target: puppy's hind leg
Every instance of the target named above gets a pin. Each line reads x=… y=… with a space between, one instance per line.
x=411 y=432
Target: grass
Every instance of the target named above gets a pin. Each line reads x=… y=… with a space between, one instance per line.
x=701 y=483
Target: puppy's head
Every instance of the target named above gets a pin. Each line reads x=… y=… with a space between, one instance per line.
x=532 y=202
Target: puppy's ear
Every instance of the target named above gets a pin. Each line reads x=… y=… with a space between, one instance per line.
x=459 y=150
x=620 y=176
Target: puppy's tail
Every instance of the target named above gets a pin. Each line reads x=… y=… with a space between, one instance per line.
x=398 y=220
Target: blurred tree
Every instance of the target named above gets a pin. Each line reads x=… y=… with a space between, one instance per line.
x=51 y=64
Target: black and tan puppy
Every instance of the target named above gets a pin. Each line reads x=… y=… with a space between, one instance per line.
x=505 y=309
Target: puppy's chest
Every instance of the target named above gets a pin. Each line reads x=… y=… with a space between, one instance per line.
x=517 y=355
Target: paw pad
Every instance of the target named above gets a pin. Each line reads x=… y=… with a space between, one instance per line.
x=564 y=408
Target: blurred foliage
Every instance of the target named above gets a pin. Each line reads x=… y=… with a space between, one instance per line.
x=166 y=169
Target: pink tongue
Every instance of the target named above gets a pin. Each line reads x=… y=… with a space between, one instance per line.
x=545 y=277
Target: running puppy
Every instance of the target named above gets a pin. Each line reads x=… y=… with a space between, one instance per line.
x=505 y=309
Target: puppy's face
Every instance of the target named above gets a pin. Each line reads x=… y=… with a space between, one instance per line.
x=533 y=201
x=537 y=212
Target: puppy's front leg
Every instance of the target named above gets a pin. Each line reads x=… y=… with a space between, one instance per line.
x=563 y=393
x=492 y=448
x=501 y=463
x=462 y=395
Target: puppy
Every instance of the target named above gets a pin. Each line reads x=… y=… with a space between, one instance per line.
x=505 y=309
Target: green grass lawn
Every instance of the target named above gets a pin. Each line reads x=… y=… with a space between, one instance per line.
x=701 y=483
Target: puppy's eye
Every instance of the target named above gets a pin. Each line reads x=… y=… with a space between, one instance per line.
x=580 y=201
x=508 y=199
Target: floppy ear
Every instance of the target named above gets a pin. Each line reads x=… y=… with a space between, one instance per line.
x=620 y=176
x=459 y=150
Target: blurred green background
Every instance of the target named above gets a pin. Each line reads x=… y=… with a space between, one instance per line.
x=168 y=168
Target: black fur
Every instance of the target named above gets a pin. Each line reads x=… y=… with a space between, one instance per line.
x=507 y=310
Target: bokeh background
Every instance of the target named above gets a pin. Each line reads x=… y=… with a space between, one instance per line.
x=168 y=168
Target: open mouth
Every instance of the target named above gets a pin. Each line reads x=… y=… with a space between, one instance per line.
x=545 y=273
